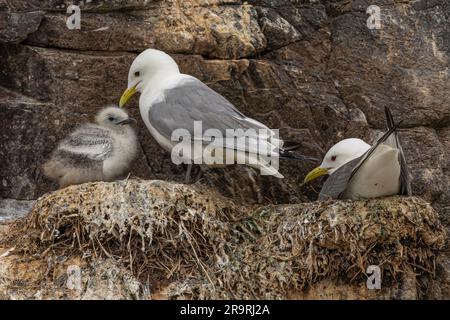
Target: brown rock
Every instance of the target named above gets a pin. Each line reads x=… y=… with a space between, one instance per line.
x=226 y=32
x=402 y=66
x=24 y=119
x=426 y=167
x=89 y=5
x=15 y=27
x=115 y=31
x=276 y=29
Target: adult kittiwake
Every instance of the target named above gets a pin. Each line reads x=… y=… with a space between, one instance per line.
x=173 y=104
x=95 y=152
x=358 y=170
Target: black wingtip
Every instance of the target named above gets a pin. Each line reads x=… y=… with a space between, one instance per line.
x=389 y=132
x=389 y=118
x=291 y=145
x=285 y=154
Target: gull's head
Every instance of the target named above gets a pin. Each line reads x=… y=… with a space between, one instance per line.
x=338 y=155
x=147 y=68
x=113 y=117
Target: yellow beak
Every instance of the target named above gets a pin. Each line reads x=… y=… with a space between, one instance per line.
x=127 y=95
x=315 y=173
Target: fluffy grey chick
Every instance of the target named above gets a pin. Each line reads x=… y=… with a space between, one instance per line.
x=95 y=152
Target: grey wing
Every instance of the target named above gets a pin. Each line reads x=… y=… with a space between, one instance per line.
x=195 y=101
x=337 y=182
x=405 y=180
x=92 y=142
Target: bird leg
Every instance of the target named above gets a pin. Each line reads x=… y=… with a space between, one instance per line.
x=128 y=177
x=187 y=178
x=255 y=186
x=199 y=175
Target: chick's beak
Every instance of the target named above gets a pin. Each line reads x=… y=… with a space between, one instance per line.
x=315 y=173
x=127 y=121
x=127 y=95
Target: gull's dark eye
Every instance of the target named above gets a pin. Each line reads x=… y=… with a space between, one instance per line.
x=111 y=119
x=333 y=158
x=136 y=74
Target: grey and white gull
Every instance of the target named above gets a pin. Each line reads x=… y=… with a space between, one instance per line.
x=357 y=170
x=172 y=101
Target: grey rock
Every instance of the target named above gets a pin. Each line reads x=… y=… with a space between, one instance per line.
x=276 y=29
x=11 y=209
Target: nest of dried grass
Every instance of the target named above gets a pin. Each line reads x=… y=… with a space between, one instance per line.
x=154 y=227
x=199 y=245
x=306 y=243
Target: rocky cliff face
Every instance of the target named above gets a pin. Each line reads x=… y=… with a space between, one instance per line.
x=311 y=68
